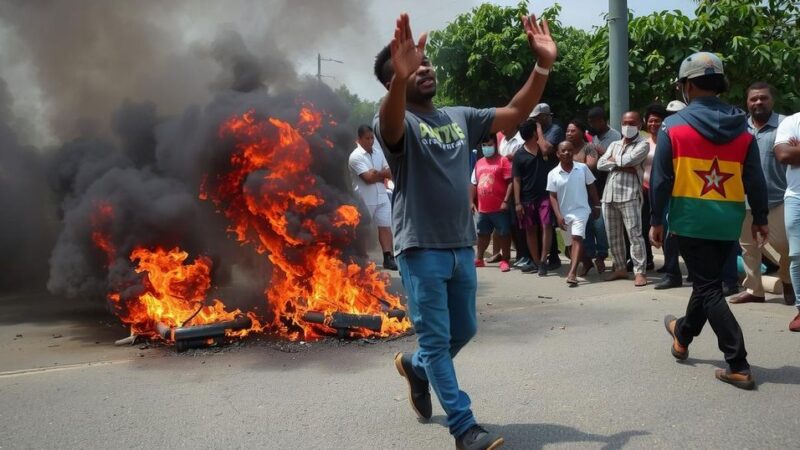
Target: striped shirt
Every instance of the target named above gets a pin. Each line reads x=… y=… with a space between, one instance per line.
x=623 y=186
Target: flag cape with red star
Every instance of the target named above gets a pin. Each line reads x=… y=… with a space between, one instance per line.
x=708 y=185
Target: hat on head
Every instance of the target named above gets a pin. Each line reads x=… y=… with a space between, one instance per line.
x=700 y=64
x=541 y=108
x=675 y=106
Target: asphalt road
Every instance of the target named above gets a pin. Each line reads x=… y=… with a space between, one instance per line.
x=551 y=367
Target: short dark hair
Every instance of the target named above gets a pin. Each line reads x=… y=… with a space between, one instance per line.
x=581 y=125
x=596 y=113
x=363 y=129
x=655 y=109
x=761 y=85
x=527 y=129
x=716 y=83
x=491 y=137
x=382 y=72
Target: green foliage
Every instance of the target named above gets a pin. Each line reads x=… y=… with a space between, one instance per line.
x=482 y=58
x=361 y=111
x=757 y=40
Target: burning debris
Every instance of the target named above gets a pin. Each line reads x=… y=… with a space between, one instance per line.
x=235 y=216
x=286 y=219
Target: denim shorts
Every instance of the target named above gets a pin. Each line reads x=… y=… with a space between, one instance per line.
x=497 y=221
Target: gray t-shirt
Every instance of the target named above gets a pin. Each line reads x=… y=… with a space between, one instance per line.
x=774 y=172
x=606 y=139
x=431 y=203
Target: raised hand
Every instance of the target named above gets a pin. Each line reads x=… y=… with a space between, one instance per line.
x=406 y=55
x=540 y=40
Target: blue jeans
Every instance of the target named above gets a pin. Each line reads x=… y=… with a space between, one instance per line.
x=596 y=243
x=791 y=218
x=441 y=286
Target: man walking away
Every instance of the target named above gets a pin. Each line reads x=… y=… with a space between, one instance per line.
x=705 y=164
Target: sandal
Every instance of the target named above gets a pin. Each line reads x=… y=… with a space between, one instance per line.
x=572 y=282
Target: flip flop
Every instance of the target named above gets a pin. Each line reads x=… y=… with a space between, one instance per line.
x=572 y=282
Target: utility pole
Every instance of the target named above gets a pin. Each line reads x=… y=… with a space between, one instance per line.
x=618 y=60
x=319 y=66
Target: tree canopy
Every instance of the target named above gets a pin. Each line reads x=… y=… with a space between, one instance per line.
x=482 y=57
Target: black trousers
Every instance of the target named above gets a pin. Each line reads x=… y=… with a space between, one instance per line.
x=705 y=259
x=672 y=268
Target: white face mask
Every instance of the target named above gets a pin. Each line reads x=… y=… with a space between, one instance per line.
x=629 y=131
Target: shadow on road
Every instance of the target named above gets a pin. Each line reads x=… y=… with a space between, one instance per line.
x=763 y=375
x=536 y=435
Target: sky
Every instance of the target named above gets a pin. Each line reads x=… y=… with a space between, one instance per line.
x=427 y=15
x=77 y=60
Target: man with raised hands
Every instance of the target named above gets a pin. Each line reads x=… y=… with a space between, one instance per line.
x=428 y=152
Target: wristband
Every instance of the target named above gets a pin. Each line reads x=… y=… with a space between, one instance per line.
x=541 y=70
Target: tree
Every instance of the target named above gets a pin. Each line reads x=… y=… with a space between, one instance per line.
x=362 y=111
x=757 y=40
x=482 y=58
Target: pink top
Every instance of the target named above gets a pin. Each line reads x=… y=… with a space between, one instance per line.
x=492 y=177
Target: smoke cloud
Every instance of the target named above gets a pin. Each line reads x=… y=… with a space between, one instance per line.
x=135 y=107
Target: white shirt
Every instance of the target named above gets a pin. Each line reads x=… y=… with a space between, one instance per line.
x=510 y=146
x=570 y=188
x=361 y=161
x=788 y=129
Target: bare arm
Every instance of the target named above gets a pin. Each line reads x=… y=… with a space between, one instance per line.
x=528 y=96
x=517 y=188
x=473 y=195
x=591 y=162
x=373 y=176
x=557 y=210
x=594 y=199
x=542 y=142
x=788 y=153
x=406 y=58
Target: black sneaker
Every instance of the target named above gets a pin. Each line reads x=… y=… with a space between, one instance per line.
x=554 y=264
x=418 y=391
x=543 y=270
x=521 y=262
x=477 y=438
x=531 y=267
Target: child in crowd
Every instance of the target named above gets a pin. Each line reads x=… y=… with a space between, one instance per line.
x=571 y=186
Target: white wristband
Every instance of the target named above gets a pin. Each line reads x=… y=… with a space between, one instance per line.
x=541 y=70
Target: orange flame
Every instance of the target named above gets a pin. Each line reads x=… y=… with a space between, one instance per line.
x=268 y=188
x=174 y=293
x=270 y=197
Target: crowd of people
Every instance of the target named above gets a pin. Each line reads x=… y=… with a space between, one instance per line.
x=699 y=178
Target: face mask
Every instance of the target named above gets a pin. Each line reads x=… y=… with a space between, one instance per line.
x=488 y=151
x=629 y=131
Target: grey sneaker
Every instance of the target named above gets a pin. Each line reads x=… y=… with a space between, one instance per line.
x=419 y=393
x=477 y=438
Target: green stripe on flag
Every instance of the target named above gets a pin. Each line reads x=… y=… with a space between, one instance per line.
x=706 y=219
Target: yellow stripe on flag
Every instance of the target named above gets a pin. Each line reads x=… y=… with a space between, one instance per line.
x=700 y=178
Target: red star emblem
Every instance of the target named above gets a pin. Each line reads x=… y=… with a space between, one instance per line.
x=714 y=179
